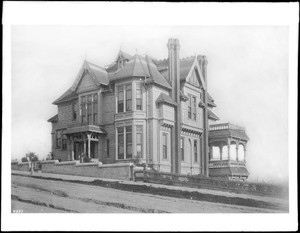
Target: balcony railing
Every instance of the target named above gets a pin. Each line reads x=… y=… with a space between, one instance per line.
x=226 y=126
x=226 y=163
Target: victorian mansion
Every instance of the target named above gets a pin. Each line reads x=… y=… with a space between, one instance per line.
x=159 y=111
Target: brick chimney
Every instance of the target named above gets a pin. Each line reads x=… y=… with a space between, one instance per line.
x=174 y=78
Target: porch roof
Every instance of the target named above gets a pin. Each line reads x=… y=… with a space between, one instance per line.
x=85 y=128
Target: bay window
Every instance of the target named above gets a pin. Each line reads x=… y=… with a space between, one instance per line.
x=165 y=146
x=95 y=109
x=128 y=142
x=182 y=148
x=138 y=96
x=89 y=109
x=83 y=109
x=124 y=141
x=195 y=151
x=120 y=99
x=121 y=143
x=192 y=107
x=139 y=141
x=128 y=98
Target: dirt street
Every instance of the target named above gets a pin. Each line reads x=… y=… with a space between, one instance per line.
x=32 y=195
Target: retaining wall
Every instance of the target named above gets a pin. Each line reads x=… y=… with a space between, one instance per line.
x=122 y=171
x=21 y=166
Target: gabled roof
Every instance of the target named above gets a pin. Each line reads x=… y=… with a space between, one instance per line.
x=210 y=101
x=185 y=67
x=68 y=95
x=155 y=75
x=212 y=116
x=139 y=66
x=164 y=98
x=123 y=55
x=98 y=73
x=54 y=118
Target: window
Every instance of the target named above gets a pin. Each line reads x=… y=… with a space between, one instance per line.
x=107 y=147
x=64 y=141
x=124 y=93
x=128 y=98
x=192 y=107
x=139 y=141
x=74 y=111
x=121 y=143
x=195 y=151
x=182 y=148
x=89 y=109
x=165 y=146
x=58 y=138
x=124 y=139
x=138 y=96
x=128 y=142
x=83 y=109
x=95 y=109
x=120 y=99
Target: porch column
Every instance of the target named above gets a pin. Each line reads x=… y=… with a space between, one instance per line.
x=228 y=146
x=210 y=152
x=221 y=152
x=72 y=148
x=89 y=145
x=237 y=152
x=84 y=147
x=245 y=153
x=69 y=147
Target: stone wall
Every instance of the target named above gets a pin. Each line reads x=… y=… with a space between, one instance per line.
x=121 y=171
x=21 y=166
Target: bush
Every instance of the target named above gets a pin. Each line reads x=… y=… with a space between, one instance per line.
x=86 y=159
x=24 y=159
x=31 y=156
x=49 y=156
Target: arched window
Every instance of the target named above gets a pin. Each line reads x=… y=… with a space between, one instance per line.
x=216 y=152
x=233 y=151
x=224 y=152
x=241 y=153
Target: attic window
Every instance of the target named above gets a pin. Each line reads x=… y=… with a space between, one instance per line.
x=121 y=63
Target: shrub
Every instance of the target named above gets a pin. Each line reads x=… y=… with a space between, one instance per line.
x=31 y=156
x=86 y=159
x=24 y=159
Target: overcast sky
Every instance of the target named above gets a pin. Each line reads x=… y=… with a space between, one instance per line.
x=247 y=77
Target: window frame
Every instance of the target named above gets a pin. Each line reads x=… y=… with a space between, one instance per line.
x=139 y=131
x=165 y=146
x=139 y=88
x=195 y=151
x=182 y=149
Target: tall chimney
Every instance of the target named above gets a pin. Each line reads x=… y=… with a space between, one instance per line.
x=174 y=78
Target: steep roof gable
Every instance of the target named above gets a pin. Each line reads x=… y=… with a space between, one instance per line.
x=98 y=73
x=139 y=66
x=195 y=66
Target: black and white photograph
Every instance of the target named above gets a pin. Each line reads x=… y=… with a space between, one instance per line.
x=149 y=116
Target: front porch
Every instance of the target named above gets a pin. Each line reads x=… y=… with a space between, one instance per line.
x=227 y=152
x=83 y=141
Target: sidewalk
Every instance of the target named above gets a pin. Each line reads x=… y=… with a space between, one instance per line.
x=201 y=191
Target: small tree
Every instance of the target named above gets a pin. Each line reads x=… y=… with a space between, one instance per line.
x=24 y=159
x=32 y=156
x=49 y=156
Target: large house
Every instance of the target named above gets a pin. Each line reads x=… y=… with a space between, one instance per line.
x=155 y=111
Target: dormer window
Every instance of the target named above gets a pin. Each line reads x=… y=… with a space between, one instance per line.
x=121 y=62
